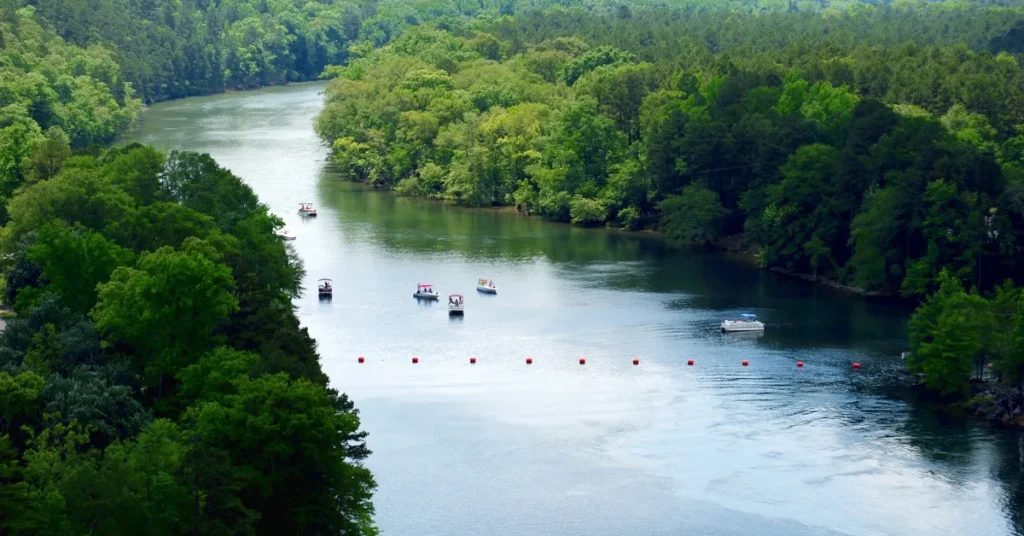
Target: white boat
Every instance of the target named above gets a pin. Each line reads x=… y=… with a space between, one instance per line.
x=456 y=305
x=306 y=209
x=425 y=291
x=284 y=234
x=746 y=322
x=486 y=285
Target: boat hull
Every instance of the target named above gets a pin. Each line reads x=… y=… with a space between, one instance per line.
x=421 y=296
x=739 y=327
x=455 y=311
x=487 y=290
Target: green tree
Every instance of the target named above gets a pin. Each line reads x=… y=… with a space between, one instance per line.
x=75 y=261
x=140 y=309
x=49 y=156
x=693 y=216
x=947 y=333
x=283 y=436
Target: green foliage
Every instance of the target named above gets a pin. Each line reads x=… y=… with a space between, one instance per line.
x=74 y=261
x=139 y=242
x=947 y=333
x=693 y=216
x=586 y=211
x=139 y=308
x=876 y=166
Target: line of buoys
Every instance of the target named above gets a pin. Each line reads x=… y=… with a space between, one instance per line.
x=636 y=361
x=856 y=366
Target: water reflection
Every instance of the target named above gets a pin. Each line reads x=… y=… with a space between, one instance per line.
x=609 y=448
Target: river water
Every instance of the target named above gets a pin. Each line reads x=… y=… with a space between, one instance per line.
x=555 y=448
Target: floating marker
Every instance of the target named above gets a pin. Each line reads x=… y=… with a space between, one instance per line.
x=583 y=361
x=745 y=363
x=856 y=366
x=362 y=359
x=472 y=361
x=636 y=361
x=415 y=360
x=529 y=360
x=689 y=362
x=800 y=364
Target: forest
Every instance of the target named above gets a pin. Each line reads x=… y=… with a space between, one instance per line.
x=874 y=166
x=881 y=148
x=117 y=417
x=877 y=146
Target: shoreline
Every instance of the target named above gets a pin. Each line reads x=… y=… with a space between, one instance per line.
x=735 y=245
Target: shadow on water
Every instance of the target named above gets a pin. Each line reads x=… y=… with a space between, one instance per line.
x=803 y=318
x=801 y=315
x=565 y=287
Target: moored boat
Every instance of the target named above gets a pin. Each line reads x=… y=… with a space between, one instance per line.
x=746 y=322
x=425 y=291
x=456 y=305
x=306 y=209
x=487 y=286
x=284 y=234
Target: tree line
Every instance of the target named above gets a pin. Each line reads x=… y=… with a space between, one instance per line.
x=874 y=165
x=156 y=379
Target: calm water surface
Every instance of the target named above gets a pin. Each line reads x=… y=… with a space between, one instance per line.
x=555 y=448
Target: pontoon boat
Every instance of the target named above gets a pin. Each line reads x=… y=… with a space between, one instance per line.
x=324 y=287
x=456 y=305
x=486 y=285
x=425 y=291
x=746 y=322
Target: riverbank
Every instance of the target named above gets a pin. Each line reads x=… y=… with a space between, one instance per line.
x=1003 y=406
x=735 y=245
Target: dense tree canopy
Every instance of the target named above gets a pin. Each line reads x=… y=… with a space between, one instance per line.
x=876 y=165
x=156 y=380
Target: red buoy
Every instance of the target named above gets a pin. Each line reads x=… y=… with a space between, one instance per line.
x=856 y=366
x=636 y=361
x=689 y=362
x=362 y=359
x=472 y=361
x=415 y=359
x=800 y=364
x=745 y=362
x=583 y=361
x=529 y=360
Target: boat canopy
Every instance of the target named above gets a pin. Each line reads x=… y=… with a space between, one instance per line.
x=455 y=295
x=748 y=316
x=324 y=279
x=424 y=285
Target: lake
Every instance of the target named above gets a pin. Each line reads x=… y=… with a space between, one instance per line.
x=608 y=448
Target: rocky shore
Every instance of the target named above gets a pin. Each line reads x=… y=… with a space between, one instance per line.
x=1001 y=405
